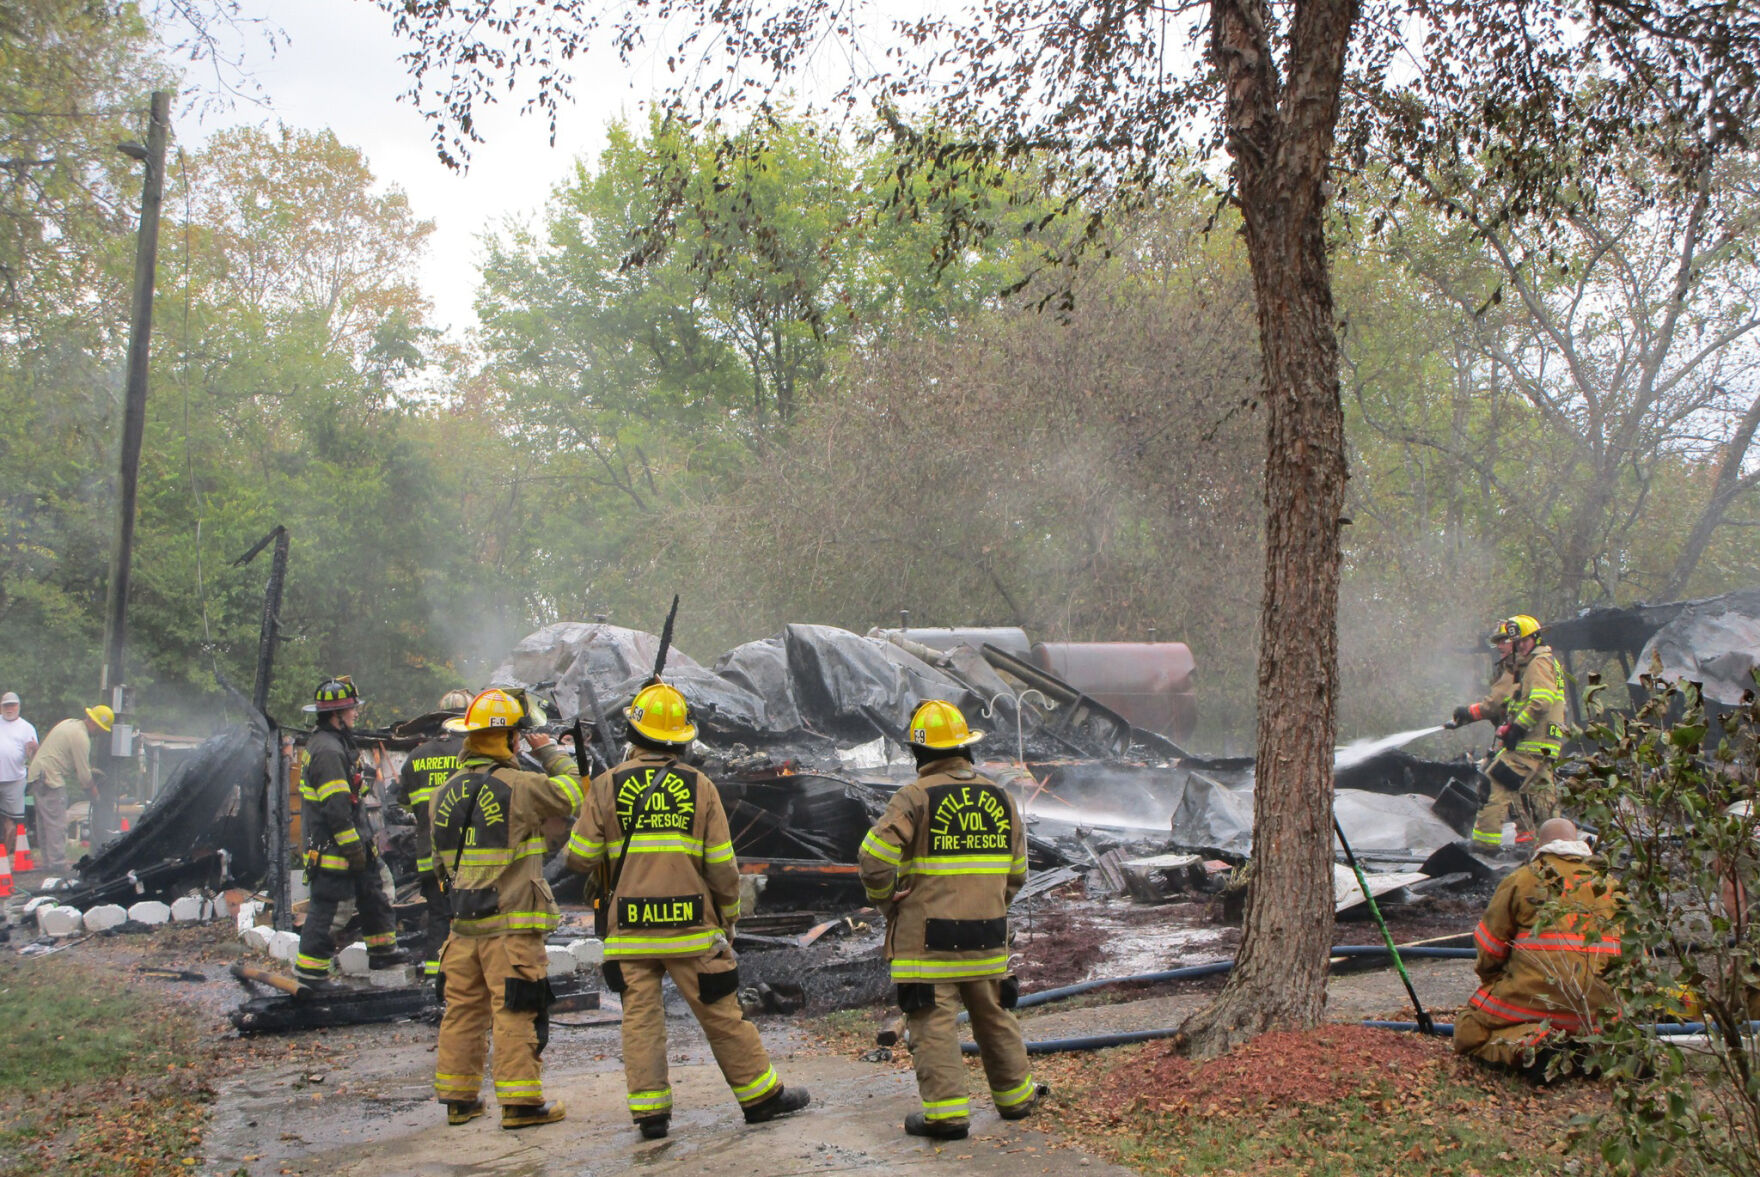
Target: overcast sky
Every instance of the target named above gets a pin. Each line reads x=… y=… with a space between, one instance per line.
x=340 y=69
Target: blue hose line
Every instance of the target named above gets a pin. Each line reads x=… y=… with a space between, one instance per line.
x=1091 y=1042
x=1440 y=1029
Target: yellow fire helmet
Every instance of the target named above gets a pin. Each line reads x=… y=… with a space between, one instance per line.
x=490 y=710
x=101 y=715
x=1513 y=629
x=937 y=724
x=660 y=714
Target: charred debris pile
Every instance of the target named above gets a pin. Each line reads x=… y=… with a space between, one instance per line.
x=801 y=730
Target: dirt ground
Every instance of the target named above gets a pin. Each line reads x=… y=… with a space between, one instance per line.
x=358 y=1101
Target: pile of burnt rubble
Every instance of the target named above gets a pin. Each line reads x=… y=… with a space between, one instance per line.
x=800 y=732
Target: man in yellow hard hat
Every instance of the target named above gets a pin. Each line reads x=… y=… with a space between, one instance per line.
x=488 y=824
x=1526 y=702
x=64 y=760
x=944 y=863
x=428 y=767
x=671 y=901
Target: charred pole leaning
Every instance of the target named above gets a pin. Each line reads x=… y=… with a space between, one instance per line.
x=665 y=640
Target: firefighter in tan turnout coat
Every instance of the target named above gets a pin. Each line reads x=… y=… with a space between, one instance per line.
x=1527 y=705
x=654 y=829
x=944 y=864
x=488 y=837
x=1550 y=932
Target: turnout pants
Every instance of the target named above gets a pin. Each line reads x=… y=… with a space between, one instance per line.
x=934 y=1030
x=1521 y=791
x=475 y=973
x=740 y=1053
x=437 y=924
x=51 y=827
x=317 y=937
x=1514 y=1045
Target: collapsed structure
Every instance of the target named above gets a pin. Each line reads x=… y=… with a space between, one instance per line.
x=801 y=732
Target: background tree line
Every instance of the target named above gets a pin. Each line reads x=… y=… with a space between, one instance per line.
x=788 y=407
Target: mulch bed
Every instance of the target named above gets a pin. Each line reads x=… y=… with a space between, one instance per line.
x=1284 y=1068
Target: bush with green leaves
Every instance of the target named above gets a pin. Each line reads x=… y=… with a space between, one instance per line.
x=1660 y=786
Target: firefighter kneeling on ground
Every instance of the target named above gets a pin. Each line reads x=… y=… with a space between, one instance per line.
x=1526 y=702
x=1549 y=934
x=488 y=838
x=339 y=843
x=431 y=763
x=945 y=862
x=670 y=901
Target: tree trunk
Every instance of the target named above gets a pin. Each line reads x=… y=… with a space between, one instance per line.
x=1281 y=144
x=1731 y=482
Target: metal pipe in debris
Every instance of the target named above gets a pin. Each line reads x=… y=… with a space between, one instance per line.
x=1216 y=968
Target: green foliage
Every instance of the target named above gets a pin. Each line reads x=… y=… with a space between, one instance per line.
x=1658 y=786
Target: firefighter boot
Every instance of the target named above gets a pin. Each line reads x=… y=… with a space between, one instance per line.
x=463 y=1111
x=387 y=958
x=530 y=1115
x=654 y=1127
x=1022 y=1110
x=917 y=1124
x=786 y=1101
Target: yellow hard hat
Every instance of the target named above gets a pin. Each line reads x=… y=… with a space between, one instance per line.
x=101 y=715
x=660 y=713
x=491 y=710
x=455 y=700
x=938 y=724
x=1512 y=629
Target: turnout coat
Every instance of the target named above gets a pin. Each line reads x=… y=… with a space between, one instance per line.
x=952 y=844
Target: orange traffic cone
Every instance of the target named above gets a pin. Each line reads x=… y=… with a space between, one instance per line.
x=5 y=874
x=22 y=852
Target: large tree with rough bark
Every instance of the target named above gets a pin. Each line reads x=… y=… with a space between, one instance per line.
x=1101 y=100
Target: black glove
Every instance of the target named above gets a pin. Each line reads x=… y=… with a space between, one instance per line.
x=1512 y=734
x=1463 y=715
x=357 y=857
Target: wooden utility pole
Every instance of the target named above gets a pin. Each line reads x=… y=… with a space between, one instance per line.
x=134 y=408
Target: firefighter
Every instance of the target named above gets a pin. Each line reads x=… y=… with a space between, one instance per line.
x=488 y=840
x=1549 y=934
x=1526 y=702
x=340 y=862
x=943 y=864
x=430 y=763
x=655 y=827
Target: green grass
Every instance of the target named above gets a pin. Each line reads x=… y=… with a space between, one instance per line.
x=96 y=1077
x=1350 y=1138
x=65 y=1026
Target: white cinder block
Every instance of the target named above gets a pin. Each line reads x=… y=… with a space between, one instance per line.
x=190 y=909
x=588 y=951
x=562 y=961
x=222 y=909
x=149 y=911
x=392 y=978
x=59 y=921
x=257 y=939
x=104 y=917
x=353 y=960
x=284 y=946
x=248 y=912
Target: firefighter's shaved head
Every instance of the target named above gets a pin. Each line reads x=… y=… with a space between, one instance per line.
x=1557 y=829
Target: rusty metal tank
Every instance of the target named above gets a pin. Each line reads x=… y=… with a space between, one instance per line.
x=1149 y=683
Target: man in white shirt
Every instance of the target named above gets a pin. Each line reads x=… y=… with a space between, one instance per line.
x=18 y=743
